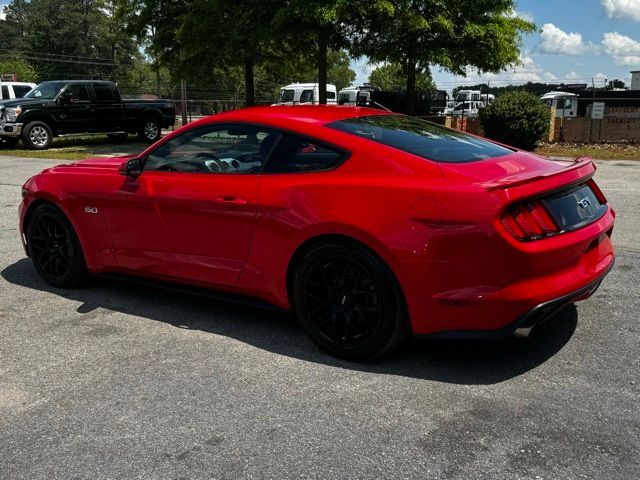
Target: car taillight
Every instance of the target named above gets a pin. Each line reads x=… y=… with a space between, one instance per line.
x=529 y=221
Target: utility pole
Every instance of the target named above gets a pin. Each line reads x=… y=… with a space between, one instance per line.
x=183 y=89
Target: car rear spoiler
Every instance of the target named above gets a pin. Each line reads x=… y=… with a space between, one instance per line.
x=580 y=163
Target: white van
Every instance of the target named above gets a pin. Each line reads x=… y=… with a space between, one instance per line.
x=468 y=109
x=355 y=95
x=473 y=95
x=305 y=93
x=566 y=104
x=9 y=90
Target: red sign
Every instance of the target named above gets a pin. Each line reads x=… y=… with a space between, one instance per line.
x=9 y=77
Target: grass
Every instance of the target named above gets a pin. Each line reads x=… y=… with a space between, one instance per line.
x=77 y=148
x=603 y=151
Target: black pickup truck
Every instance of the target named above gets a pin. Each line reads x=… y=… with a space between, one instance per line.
x=77 y=107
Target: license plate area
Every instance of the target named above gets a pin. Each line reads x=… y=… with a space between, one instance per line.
x=574 y=208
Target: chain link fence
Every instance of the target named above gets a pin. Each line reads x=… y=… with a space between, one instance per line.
x=597 y=120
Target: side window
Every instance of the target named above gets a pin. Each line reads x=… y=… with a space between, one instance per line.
x=103 y=92
x=79 y=92
x=296 y=154
x=5 y=92
x=306 y=96
x=214 y=149
x=21 y=90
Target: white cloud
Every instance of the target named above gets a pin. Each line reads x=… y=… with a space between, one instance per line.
x=527 y=71
x=558 y=42
x=573 y=75
x=600 y=76
x=624 y=50
x=622 y=9
x=628 y=61
x=526 y=16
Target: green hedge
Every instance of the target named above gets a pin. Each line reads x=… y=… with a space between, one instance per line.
x=516 y=118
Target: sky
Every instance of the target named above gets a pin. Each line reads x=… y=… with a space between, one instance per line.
x=577 y=41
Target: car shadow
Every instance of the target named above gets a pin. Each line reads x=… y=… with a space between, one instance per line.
x=458 y=362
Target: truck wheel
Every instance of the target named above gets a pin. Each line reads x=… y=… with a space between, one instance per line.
x=149 y=130
x=37 y=136
x=9 y=142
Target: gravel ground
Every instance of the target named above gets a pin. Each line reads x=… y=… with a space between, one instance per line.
x=117 y=381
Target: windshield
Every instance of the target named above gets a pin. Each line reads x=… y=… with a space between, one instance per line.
x=46 y=90
x=286 y=95
x=419 y=137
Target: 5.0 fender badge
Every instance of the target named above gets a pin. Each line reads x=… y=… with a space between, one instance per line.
x=90 y=210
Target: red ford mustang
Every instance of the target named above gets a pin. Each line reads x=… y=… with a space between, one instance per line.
x=369 y=225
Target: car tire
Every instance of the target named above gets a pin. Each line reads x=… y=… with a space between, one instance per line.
x=150 y=130
x=9 y=142
x=117 y=137
x=348 y=301
x=54 y=248
x=37 y=136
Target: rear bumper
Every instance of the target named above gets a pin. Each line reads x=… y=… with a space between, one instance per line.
x=554 y=269
x=527 y=323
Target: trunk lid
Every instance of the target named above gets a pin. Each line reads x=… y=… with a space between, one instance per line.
x=509 y=170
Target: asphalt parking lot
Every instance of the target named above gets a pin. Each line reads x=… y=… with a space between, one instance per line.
x=119 y=381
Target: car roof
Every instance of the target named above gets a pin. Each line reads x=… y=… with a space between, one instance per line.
x=317 y=114
x=80 y=81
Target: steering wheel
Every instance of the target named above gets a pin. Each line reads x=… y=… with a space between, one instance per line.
x=220 y=166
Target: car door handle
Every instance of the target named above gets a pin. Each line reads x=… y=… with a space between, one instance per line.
x=235 y=201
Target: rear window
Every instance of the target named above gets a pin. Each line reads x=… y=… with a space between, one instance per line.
x=418 y=137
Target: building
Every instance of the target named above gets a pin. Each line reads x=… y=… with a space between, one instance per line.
x=635 y=80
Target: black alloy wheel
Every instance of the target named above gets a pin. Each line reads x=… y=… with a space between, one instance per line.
x=349 y=302
x=54 y=248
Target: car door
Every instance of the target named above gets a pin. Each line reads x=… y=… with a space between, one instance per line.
x=76 y=109
x=191 y=212
x=108 y=108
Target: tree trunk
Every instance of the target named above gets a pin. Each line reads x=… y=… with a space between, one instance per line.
x=322 y=71
x=411 y=87
x=249 y=85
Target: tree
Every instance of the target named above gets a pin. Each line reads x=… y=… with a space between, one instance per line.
x=455 y=34
x=23 y=70
x=315 y=25
x=68 y=38
x=390 y=77
x=613 y=84
x=234 y=34
x=339 y=71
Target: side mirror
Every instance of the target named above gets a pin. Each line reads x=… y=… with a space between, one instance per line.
x=132 y=168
